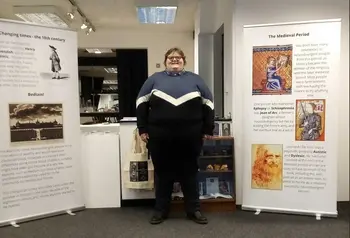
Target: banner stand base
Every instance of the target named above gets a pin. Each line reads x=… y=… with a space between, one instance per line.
x=69 y=212
x=15 y=222
x=318 y=215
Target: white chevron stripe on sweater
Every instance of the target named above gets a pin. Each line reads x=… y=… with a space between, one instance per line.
x=175 y=101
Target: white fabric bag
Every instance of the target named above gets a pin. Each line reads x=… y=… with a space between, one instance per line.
x=138 y=169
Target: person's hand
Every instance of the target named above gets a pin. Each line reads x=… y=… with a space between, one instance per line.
x=207 y=137
x=144 y=137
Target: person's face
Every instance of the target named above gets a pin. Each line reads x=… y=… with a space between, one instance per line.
x=272 y=158
x=175 y=62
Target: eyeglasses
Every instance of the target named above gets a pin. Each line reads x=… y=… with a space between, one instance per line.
x=174 y=57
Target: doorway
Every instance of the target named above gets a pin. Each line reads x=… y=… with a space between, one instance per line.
x=219 y=93
x=109 y=81
x=132 y=73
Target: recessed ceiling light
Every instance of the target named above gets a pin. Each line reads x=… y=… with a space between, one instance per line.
x=99 y=51
x=92 y=50
x=110 y=82
x=157 y=15
x=111 y=70
x=48 y=19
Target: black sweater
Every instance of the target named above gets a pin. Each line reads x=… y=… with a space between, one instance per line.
x=178 y=104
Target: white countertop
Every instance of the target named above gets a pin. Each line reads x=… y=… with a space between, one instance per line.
x=102 y=127
x=129 y=119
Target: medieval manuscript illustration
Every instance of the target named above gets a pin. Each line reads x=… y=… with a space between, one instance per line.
x=310 y=120
x=272 y=70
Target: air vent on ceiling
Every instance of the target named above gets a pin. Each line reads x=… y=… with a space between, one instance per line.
x=44 y=15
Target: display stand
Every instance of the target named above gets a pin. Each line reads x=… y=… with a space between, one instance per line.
x=40 y=150
x=216 y=177
x=101 y=166
x=291 y=113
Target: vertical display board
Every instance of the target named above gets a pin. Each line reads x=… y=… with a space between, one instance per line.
x=291 y=88
x=40 y=127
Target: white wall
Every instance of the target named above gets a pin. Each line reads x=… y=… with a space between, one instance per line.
x=206 y=59
x=224 y=14
x=237 y=13
x=197 y=17
x=156 y=43
x=212 y=15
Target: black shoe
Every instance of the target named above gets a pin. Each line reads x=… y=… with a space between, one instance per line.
x=197 y=217
x=157 y=218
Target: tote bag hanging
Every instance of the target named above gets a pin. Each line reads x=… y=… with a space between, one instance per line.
x=138 y=170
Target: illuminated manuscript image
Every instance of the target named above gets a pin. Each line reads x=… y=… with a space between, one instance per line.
x=267 y=166
x=310 y=120
x=272 y=70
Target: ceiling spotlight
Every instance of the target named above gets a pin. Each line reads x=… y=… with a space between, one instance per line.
x=70 y=15
x=72 y=12
x=83 y=26
x=89 y=31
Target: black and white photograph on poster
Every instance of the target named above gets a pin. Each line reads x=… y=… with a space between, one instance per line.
x=35 y=123
x=226 y=129
x=55 y=66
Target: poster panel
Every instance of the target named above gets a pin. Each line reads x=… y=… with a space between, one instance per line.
x=291 y=102
x=40 y=127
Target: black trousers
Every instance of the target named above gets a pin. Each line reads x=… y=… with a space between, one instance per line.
x=175 y=159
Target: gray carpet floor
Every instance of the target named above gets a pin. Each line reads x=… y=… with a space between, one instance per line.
x=133 y=223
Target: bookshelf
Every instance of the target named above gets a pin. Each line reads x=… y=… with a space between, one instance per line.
x=216 y=177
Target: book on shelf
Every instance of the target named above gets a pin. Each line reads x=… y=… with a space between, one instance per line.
x=179 y=196
x=215 y=196
x=211 y=189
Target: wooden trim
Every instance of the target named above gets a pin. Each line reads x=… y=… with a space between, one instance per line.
x=221 y=200
x=208 y=205
x=220 y=138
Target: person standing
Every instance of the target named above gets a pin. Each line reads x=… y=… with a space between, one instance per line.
x=55 y=63
x=175 y=112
